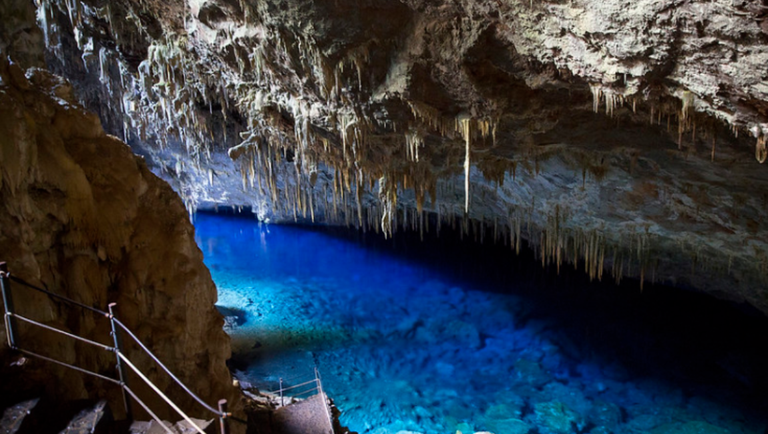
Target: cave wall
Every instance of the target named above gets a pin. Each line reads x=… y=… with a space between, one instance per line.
x=619 y=137
x=83 y=217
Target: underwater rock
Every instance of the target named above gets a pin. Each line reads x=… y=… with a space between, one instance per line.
x=692 y=427
x=572 y=397
x=233 y=317
x=646 y=422
x=605 y=414
x=507 y=426
x=464 y=333
x=463 y=427
x=556 y=418
x=509 y=405
x=230 y=323
x=531 y=373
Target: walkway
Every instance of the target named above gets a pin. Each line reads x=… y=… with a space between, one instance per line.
x=309 y=416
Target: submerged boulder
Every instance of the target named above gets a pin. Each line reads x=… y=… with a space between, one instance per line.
x=556 y=418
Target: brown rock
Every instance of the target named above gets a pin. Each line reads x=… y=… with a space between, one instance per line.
x=16 y=74
x=83 y=217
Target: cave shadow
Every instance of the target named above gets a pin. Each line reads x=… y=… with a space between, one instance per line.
x=689 y=340
x=285 y=353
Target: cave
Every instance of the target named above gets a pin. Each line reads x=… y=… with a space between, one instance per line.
x=498 y=216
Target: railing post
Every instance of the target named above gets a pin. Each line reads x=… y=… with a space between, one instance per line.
x=324 y=397
x=120 y=368
x=282 y=404
x=5 y=286
x=223 y=428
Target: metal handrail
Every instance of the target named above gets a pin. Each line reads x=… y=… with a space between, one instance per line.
x=54 y=329
x=283 y=389
x=318 y=388
x=167 y=371
x=76 y=368
x=314 y=389
x=57 y=296
x=221 y=413
x=161 y=394
x=326 y=402
x=146 y=408
x=297 y=377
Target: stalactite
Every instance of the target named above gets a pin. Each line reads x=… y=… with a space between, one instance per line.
x=431 y=117
x=414 y=139
x=465 y=126
x=687 y=100
x=358 y=201
x=611 y=101
x=597 y=92
x=761 y=153
x=104 y=68
x=388 y=200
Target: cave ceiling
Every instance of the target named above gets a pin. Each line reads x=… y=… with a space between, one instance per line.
x=625 y=137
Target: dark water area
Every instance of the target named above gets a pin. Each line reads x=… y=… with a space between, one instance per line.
x=446 y=334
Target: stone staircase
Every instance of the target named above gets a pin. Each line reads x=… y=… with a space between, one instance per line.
x=14 y=416
x=27 y=417
x=304 y=417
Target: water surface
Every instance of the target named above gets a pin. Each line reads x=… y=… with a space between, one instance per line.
x=442 y=336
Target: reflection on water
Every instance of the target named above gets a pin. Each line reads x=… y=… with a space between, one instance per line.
x=441 y=336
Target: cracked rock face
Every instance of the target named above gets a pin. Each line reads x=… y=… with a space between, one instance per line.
x=84 y=218
x=622 y=136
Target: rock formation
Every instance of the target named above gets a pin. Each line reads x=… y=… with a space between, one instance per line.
x=619 y=137
x=83 y=217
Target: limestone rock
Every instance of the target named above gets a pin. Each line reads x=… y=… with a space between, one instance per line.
x=692 y=427
x=83 y=217
x=531 y=373
x=605 y=414
x=508 y=426
x=556 y=418
x=620 y=137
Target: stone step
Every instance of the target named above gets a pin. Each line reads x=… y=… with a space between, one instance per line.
x=14 y=416
x=92 y=420
x=181 y=427
x=308 y=416
x=87 y=421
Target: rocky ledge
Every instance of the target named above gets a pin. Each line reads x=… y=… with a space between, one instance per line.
x=85 y=218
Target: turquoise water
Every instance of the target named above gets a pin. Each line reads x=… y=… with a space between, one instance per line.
x=442 y=336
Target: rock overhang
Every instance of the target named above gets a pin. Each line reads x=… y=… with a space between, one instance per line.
x=620 y=136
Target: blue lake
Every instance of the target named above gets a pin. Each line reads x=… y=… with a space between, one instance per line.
x=442 y=336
